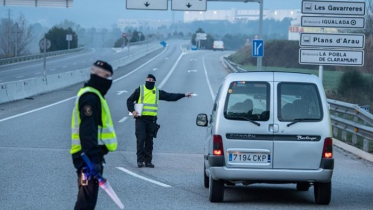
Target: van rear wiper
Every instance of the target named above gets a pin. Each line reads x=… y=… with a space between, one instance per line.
x=247 y=119
x=301 y=120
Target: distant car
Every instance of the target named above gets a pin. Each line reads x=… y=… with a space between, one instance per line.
x=218 y=45
x=194 y=47
x=269 y=127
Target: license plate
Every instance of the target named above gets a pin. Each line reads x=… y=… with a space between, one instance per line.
x=249 y=158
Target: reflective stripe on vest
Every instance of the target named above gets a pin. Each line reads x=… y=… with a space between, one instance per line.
x=150 y=99
x=106 y=133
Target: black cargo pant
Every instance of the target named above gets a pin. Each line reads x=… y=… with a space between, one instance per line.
x=145 y=128
x=87 y=195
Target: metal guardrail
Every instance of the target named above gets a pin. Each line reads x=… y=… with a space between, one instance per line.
x=7 y=61
x=349 y=121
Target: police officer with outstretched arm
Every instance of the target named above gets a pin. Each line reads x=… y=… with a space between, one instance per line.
x=92 y=133
x=145 y=124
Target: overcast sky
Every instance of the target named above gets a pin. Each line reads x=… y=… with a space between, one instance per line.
x=103 y=13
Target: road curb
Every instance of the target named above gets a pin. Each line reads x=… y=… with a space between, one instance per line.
x=353 y=150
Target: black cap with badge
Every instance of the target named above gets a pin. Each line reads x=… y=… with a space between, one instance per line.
x=103 y=65
x=151 y=76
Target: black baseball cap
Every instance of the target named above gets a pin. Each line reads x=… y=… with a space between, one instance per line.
x=104 y=65
x=151 y=76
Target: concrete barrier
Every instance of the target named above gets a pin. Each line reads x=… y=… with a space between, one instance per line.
x=34 y=86
x=15 y=90
x=3 y=94
x=21 y=89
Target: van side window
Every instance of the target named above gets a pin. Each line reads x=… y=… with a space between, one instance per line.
x=250 y=100
x=299 y=101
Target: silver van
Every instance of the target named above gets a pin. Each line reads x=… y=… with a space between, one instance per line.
x=269 y=127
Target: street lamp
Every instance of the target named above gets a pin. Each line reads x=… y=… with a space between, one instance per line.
x=16 y=45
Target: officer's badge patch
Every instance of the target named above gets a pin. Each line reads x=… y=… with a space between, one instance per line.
x=88 y=110
x=153 y=91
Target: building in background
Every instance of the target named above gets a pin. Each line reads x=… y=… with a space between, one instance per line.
x=295 y=29
x=142 y=23
x=234 y=15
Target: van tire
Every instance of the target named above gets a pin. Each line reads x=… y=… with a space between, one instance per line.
x=303 y=186
x=216 y=190
x=323 y=192
x=205 y=177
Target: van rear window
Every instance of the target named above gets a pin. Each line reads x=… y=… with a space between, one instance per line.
x=248 y=100
x=299 y=101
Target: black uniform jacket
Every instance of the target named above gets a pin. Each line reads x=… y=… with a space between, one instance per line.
x=163 y=95
x=90 y=115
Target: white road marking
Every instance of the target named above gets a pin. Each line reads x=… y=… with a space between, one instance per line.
x=122 y=120
x=38 y=73
x=166 y=58
x=192 y=71
x=19 y=77
x=143 y=178
x=68 y=99
x=120 y=92
x=64 y=66
x=172 y=70
x=193 y=59
x=53 y=70
x=74 y=64
x=133 y=71
x=155 y=69
x=207 y=79
x=35 y=110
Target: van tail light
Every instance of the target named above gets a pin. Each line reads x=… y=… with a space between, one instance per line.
x=328 y=148
x=218 y=145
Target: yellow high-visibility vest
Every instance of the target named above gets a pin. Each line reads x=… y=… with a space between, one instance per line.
x=106 y=132
x=150 y=99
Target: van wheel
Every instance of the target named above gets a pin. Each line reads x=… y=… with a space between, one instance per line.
x=303 y=186
x=205 y=177
x=323 y=192
x=216 y=190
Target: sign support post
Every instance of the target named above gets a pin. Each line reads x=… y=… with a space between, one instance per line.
x=321 y=67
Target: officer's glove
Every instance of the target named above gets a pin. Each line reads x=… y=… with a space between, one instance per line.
x=96 y=170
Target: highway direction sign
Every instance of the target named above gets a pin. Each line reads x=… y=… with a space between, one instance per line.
x=147 y=4
x=331 y=57
x=332 y=40
x=333 y=22
x=189 y=5
x=257 y=49
x=352 y=8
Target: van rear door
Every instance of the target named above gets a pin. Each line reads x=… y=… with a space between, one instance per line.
x=246 y=124
x=299 y=115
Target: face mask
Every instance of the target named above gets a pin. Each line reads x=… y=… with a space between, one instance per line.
x=100 y=83
x=149 y=85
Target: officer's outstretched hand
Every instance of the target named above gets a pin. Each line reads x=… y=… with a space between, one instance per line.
x=188 y=94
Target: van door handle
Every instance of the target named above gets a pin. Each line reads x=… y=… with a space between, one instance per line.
x=273 y=128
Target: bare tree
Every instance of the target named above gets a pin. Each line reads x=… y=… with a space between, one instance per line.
x=15 y=36
x=369 y=17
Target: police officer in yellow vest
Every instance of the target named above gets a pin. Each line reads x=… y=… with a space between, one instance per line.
x=149 y=96
x=92 y=132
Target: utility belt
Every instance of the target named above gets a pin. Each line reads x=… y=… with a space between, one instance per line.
x=154 y=120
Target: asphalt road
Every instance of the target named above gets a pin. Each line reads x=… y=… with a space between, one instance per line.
x=65 y=63
x=37 y=171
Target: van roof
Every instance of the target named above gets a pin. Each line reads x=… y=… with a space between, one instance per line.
x=269 y=75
